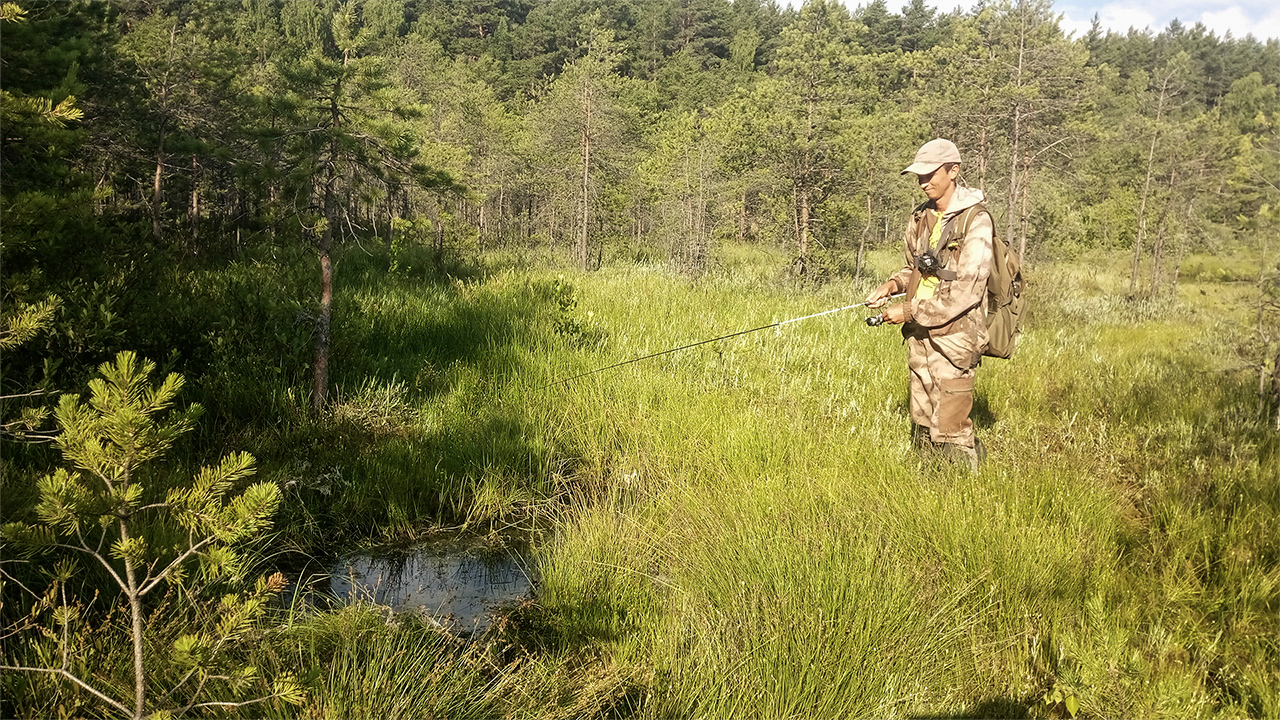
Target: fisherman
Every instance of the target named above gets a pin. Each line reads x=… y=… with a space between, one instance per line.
x=943 y=317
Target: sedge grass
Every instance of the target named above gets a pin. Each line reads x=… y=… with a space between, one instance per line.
x=786 y=556
x=741 y=529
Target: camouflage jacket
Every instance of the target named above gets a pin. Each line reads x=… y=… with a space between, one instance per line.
x=957 y=305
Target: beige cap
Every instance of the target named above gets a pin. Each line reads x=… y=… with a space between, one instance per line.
x=932 y=155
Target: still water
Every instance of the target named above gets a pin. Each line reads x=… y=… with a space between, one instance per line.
x=462 y=588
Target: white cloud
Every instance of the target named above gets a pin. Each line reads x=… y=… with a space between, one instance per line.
x=1261 y=18
x=1232 y=19
x=1125 y=16
x=1239 y=17
x=1076 y=19
x=1261 y=22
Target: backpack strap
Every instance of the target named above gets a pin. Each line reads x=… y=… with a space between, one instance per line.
x=970 y=212
x=964 y=220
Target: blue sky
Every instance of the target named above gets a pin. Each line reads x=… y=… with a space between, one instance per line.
x=1261 y=18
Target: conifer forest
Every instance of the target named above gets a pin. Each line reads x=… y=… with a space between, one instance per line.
x=287 y=283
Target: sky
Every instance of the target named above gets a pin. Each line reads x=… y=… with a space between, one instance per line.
x=1261 y=18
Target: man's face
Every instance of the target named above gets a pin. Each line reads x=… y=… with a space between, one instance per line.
x=936 y=183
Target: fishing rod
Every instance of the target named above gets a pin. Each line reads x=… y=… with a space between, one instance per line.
x=725 y=337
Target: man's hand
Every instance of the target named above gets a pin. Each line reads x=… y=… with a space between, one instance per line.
x=881 y=294
x=895 y=314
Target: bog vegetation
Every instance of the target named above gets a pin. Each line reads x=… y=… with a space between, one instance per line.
x=283 y=279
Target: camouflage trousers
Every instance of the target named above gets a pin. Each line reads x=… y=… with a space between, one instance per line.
x=941 y=394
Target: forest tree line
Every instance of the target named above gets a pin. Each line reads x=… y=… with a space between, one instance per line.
x=173 y=174
x=199 y=131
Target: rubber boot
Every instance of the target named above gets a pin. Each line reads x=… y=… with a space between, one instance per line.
x=920 y=438
x=961 y=455
x=923 y=444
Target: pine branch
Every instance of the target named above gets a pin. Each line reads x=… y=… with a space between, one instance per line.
x=84 y=548
x=13 y=579
x=150 y=583
x=75 y=680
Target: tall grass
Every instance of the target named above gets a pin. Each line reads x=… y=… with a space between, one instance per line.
x=358 y=666
x=742 y=528
x=769 y=546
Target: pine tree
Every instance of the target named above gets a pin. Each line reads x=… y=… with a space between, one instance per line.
x=1012 y=85
x=337 y=127
x=100 y=509
x=583 y=130
x=816 y=86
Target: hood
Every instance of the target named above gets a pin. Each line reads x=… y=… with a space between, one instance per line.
x=963 y=199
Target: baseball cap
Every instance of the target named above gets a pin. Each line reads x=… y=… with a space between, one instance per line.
x=933 y=155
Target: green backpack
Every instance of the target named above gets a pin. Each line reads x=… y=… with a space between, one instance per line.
x=1005 y=300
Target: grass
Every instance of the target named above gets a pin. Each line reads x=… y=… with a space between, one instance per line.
x=770 y=547
x=742 y=529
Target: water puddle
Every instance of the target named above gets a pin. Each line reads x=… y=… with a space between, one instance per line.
x=461 y=587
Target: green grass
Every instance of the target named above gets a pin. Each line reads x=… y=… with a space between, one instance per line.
x=767 y=545
x=742 y=529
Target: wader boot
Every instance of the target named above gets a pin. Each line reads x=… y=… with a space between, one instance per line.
x=920 y=438
x=970 y=457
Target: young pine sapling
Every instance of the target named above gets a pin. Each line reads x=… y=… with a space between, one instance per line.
x=99 y=510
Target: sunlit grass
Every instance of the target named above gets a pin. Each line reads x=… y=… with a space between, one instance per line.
x=742 y=529
x=780 y=552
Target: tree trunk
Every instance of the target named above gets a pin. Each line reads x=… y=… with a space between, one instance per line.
x=135 y=612
x=983 y=151
x=98 y=205
x=1275 y=386
x=438 y=242
x=320 y=387
x=1015 y=188
x=391 y=219
x=1022 y=221
x=583 y=235
x=527 y=220
x=501 y=234
x=862 y=244
x=1016 y=182
x=805 y=229
x=1177 y=271
x=195 y=206
x=703 y=249
x=157 y=189
x=1157 y=253
x=320 y=384
x=1146 y=193
x=1157 y=260
x=157 y=186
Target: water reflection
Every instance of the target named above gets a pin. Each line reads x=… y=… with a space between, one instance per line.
x=460 y=588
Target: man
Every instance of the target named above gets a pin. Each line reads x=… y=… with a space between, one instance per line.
x=948 y=249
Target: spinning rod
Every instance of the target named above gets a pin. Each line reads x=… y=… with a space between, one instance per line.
x=722 y=337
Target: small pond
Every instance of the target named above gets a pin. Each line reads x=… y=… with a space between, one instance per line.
x=460 y=586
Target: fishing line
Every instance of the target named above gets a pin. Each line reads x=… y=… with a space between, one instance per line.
x=714 y=339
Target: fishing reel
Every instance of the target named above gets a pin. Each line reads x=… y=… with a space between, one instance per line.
x=876 y=320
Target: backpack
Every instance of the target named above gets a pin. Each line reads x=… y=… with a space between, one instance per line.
x=1005 y=300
